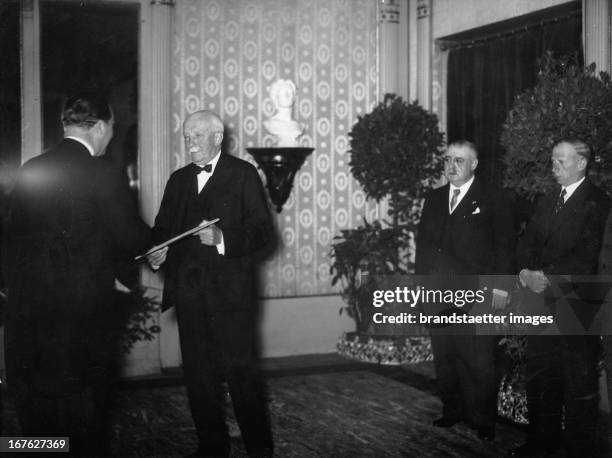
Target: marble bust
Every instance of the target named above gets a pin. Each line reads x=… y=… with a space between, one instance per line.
x=281 y=124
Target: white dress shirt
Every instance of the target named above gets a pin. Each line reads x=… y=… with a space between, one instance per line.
x=463 y=189
x=82 y=142
x=569 y=190
x=203 y=178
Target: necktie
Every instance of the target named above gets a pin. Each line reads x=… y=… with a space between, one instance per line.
x=560 y=201
x=454 y=199
x=207 y=168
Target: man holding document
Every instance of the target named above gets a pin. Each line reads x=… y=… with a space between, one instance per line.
x=209 y=277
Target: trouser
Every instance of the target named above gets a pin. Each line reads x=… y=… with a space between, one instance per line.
x=561 y=371
x=607 y=342
x=221 y=346
x=57 y=394
x=466 y=376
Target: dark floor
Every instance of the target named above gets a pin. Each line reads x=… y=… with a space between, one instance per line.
x=321 y=406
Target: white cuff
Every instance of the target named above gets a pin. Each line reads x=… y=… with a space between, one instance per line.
x=221 y=246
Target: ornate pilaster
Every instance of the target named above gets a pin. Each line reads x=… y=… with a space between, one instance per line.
x=155 y=151
x=424 y=51
x=388 y=20
x=155 y=109
x=597 y=33
x=31 y=102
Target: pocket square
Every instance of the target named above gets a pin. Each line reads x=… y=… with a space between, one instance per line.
x=476 y=211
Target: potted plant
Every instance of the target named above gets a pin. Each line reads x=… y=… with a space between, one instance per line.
x=135 y=315
x=568 y=101
x=395 y=155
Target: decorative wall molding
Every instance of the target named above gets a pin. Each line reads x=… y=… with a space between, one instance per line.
x=156 y=126
x=388 y=46
x=423 y=9
x=424 y=53
x=27 y=6
x=389 y=11
x=597 y=33
x=31 y=100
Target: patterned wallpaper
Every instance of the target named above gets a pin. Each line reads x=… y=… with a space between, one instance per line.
x=226 y=54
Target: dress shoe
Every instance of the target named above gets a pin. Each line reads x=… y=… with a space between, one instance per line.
x=486 y=434
x=534 y=450
x=261 y=453
x=445 y=422
x=209 y=454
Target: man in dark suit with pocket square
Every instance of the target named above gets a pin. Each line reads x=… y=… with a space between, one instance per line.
x=210 y=279
x=70 y=213
x=466 y=229
x=564 y=237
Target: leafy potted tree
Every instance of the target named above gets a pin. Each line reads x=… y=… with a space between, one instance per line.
x=568 y=101
x=135 y=312
x=395 y=156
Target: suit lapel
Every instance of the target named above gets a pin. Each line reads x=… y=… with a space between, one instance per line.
x=469 y=201
x=219 y=180
x=575 y=202
x=186 y=187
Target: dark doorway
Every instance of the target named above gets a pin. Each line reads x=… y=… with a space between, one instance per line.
x=10 y=93
x=488 y=67
x=90 y=45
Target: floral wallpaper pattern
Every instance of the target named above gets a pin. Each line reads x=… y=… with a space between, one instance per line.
x=226 y=53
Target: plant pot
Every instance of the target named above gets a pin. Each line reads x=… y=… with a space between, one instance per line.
x=384 y=349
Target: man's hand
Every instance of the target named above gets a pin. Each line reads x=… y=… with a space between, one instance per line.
x=535 y=280
x=210 y=235
x=500 y=298
x=158 y=258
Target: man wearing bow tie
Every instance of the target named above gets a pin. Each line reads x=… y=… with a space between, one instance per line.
x=564 y=237
x=210 y=280
x=465 y=229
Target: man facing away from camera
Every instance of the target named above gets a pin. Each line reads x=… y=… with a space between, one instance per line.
x=466 y=229
x=210 y=279
x=70 y=211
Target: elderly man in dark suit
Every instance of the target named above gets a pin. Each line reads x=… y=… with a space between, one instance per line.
x=563 y=237
x=465 y=229
x=210 y=280
x=70 y=210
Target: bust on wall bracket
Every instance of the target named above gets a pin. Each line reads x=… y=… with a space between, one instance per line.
x=281 y=162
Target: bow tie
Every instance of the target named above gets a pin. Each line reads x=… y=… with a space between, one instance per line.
x=207 y=168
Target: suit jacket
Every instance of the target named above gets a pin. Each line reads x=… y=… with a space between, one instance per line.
x=234 y=193
x=480 y=240
x=69 y=212
x=570 y=241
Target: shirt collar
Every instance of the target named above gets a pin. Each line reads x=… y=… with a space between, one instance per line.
x=213 y=162
x=463 y=188
x=82 y=142
x=570 y=189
